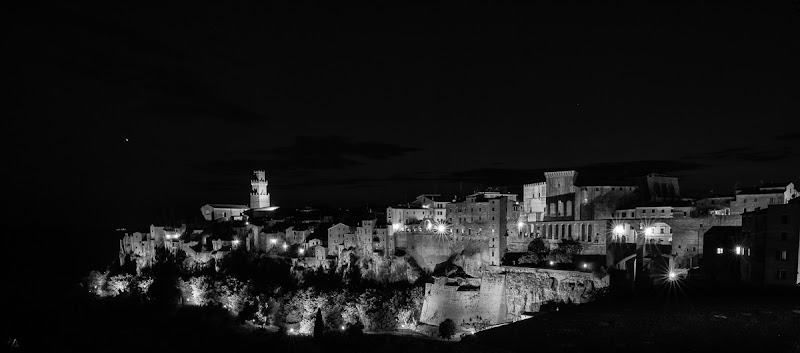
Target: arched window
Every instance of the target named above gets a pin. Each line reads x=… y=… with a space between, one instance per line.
x=552 y=209
x=624 y=239
x=569 y=231
x=560 y=208
x=569 y=208
x=563 y=231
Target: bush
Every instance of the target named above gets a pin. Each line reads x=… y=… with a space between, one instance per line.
x=355 y=329
x=447 y=329
x=533 y=259
x=537 y=246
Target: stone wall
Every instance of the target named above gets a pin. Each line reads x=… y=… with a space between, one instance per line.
x=505 y=293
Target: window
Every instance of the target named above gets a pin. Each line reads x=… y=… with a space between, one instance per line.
x=719 y=250
x=781 y=274
x=783 y=236
x=782 y=255
x=652 y=211
x=662 y=211
x=747 y=251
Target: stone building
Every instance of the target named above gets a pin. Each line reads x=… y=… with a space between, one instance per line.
x=774 y=236
x=718 y=206
x=760 y=197
x=336 y=237
x=223 y=212
x=297 y=234
x=484 y=216
x=534 y=201
x=424 y=206
x=659 y=188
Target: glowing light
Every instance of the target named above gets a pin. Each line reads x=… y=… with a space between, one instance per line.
x=441 y=228
x=552 y=263
x=291 y=330
x=520 y=224
x=397 y=226
x=273 y=240
x=285 y=246
x=585 y=265
x=246 y=223
x=619 y=229
x=672 y=276
x=428 y=225
x=648 y=231
x=235 y=242
x=738 y=250
x=342 y=327
x=301 y=251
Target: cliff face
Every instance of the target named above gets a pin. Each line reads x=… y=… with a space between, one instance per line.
x=505 y=293
x=430 y=251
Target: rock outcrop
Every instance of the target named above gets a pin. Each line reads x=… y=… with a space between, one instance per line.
x=504 y=294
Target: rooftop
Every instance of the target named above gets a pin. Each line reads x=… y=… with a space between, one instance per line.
x=222 y=205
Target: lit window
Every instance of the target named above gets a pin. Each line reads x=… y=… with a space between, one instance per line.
x=782 y=255
x=738 y=250
x=719 y=250
x=781 y=274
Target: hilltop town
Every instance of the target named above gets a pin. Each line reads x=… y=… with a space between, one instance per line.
x=493 y=257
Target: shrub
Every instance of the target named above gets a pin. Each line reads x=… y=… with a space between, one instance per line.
x=533 y=259
x=447 y=329
x=537 y=246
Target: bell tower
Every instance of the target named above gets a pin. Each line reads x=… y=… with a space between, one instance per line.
x=259 y=197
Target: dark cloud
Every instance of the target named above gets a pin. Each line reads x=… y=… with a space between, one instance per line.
x=307 y=153
x=747 y=154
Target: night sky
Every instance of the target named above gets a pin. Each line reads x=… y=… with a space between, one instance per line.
x=135 y=115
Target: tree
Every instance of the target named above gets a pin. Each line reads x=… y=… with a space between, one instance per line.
x=447 y=329
x=537 y=246
x=319 y=326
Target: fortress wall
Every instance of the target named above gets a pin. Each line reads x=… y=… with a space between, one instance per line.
x=505 y=294
x=444 y=301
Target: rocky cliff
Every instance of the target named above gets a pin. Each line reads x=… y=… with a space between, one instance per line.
x=504 y=294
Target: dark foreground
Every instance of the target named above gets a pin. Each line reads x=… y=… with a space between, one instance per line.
x=693 y=319
x=689 y=318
